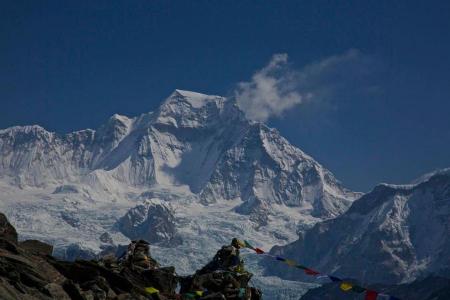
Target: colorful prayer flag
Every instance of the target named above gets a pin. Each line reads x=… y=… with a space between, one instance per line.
x=247 y=245
x=371 y=295
x=346 y=286
x=259 y=251
x=151 y=290
x=311 y=272
x=334 y=279
x=290 y=262
x=358 y=289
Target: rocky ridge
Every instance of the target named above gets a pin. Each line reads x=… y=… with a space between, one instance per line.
x=28 y=271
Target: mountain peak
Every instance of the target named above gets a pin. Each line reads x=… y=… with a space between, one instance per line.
x=196 y=100
x=429 y=175
x=25 y=129
x=121 y=118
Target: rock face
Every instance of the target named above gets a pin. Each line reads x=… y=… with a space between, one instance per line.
x=152 y=221
x=7 y=231
x=392 y=234
x=29 y=274
x=27 y=271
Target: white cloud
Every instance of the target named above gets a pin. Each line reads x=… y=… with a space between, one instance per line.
x=270 y=92
x=277 y=88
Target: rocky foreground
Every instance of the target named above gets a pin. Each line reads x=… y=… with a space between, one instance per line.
x=28 y=271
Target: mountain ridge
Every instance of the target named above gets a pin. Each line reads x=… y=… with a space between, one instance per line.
x=398 y=232
x=136 y=149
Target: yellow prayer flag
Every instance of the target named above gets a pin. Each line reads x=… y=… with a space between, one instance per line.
x=346 y=286
x=199 y=293
x=291 y=262
x=151 y=290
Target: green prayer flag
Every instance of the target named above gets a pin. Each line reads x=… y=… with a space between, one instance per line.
x=247 y=244
x=189 y=296
x=358 y=289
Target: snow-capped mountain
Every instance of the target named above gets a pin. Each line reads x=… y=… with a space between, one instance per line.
x=222 y=174
x=395 y=233
x=201 y=142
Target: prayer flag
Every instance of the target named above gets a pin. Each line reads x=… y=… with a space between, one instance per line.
x=358 y=289
x=259 y=251
x=247 y=245
x=371 y=295
x=346 y=286
x=334 y=279
x=290 y=262
x=311 y=272
x=151 y=290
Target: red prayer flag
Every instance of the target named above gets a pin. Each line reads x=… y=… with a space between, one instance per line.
x=311 y=272
x=371 y=295
x=259 y=251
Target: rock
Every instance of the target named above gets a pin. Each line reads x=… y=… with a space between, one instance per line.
x=152 y=221
x=106 y=238
x=70 y=219
x=66 y=189
x=224 y=277
x=7 y=231
x=37 y=247
x=27 y=271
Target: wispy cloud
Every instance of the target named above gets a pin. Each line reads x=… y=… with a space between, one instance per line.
x=277 y=87
x=271 y=91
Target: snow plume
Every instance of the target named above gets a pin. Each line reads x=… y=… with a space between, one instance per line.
x=270 y=92
x=277 y=88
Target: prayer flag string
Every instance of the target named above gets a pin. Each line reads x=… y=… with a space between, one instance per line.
x=344 y=285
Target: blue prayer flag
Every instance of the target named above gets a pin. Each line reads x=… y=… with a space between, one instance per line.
x=334 y=279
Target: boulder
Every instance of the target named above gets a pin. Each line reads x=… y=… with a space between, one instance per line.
x=7 y=231
x=36 y=247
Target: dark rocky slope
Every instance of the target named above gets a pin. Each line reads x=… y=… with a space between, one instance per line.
x=28 y=271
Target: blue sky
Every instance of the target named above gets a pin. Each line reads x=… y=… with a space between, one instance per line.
x=372 y=78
